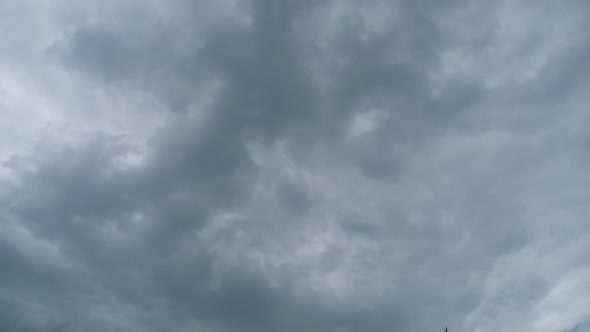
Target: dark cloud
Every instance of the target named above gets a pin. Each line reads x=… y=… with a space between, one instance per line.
x=298 y=165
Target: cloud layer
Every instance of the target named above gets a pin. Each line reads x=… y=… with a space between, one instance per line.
x=294 y=165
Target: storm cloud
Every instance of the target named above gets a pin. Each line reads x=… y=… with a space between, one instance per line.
x=316 y=165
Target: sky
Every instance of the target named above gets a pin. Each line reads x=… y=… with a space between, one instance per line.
x=294 y=165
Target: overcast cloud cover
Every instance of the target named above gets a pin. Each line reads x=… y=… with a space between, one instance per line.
x=310 y=165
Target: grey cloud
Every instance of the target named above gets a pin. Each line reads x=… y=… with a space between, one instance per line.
x=356 y=166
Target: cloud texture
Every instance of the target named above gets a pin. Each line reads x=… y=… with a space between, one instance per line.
x=282 y=166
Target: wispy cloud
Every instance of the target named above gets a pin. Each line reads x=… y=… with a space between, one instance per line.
x=294 y=165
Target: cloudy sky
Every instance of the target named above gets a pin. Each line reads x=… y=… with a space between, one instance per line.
x=282 y=166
